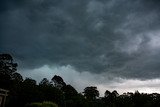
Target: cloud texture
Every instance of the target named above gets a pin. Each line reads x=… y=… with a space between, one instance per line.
x=115 y=37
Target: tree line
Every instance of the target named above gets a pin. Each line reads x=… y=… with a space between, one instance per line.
x=23 y=92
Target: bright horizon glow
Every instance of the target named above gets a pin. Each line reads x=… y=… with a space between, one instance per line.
x=103 y=82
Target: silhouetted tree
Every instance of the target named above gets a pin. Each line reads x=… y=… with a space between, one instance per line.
x=17 y=77
x=91 y=93
x=44 y=82
x=110 y=98
x=107 y=93
x=58 y=81
x=7 y=70
x=27 y=91
x=7 y=64
x=115 y=94
x=125 y=100
x=69 y=91
x=29 y=82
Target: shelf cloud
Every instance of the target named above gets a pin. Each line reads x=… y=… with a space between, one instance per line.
x=111 y=37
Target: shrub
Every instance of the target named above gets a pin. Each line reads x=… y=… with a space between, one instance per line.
x=44 y=104
x=49 y=104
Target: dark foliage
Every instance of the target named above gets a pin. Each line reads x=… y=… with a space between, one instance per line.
x=24 y=92
x=58 y=81
x=91 y=93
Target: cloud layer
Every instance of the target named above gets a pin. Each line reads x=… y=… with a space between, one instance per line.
x=102 y=81
x=119 y=38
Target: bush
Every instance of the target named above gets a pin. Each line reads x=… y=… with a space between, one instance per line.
x=49 y=104
x=44 y=104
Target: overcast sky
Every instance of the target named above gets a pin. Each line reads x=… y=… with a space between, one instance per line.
x=112 y=44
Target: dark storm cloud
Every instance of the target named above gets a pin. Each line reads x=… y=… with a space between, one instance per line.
x=116 y=37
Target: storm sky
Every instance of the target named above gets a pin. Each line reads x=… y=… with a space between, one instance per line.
x=112 y=44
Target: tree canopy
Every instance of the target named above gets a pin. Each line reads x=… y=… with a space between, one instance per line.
x=24 y=93
x=91 y=93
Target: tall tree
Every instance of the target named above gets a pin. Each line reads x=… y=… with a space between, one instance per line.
x=7 y=70
x=69 y=91
x=91 y=93
x=58 y=81
x=107 y=93
x=44 y=82
x=6 y=64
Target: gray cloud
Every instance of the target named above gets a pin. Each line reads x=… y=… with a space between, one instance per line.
x=117 y=37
